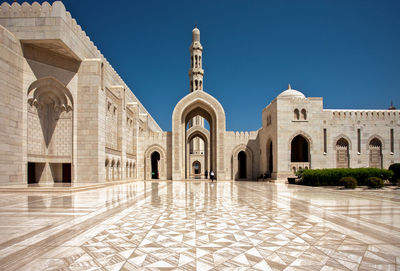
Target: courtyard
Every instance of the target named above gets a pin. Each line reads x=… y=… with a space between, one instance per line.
x=185 y=225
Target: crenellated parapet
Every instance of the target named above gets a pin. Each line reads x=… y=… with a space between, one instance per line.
x=383 y=115
x=156 y=136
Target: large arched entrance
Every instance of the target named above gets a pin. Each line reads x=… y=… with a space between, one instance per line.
x=375 y=153
x=201 y=104
x=242 y=165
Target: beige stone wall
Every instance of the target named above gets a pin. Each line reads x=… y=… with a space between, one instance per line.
x=268 y=134
x=242 y=141
x=12 y=160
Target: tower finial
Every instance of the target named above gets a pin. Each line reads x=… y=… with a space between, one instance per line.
x=289 y=87
x=195 y=25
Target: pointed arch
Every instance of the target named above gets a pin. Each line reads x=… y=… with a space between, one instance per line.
x=198 y=103
x=235 y=166
x=162 y=162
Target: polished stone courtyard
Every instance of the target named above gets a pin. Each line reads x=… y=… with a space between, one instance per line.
x=200 y=226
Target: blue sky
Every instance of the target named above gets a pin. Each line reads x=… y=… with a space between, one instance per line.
x=344 y=51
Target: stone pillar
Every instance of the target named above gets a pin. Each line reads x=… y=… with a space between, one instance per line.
x=13 y=165
x=90 y=134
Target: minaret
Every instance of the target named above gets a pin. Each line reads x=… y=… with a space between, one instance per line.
x=196 y=71
x=196 y=74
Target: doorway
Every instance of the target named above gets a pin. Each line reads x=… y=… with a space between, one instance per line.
x=66 y=173
x=242 y=165
x=155 y=159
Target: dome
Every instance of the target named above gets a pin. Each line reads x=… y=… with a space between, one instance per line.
x=291 y=93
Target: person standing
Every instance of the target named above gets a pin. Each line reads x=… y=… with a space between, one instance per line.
x=212 y=175
x=206 y=174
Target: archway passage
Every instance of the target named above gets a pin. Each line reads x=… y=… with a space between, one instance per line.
x=342 y=153
x=299 y=149
x=155 y=159
x=196 y=167
x=242 y=165
x=201 y=104
x=375 y=153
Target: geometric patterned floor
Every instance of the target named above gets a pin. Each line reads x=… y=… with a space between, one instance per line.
x=201 y=226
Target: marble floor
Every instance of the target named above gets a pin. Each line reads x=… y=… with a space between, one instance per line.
x=200 y=226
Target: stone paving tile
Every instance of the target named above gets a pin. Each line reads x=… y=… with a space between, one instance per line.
x=202 y=226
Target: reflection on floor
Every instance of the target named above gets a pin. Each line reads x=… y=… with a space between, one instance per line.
x=200 y=226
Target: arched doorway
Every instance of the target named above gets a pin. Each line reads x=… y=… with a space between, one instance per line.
x=155 y=165
x=342 y=153
x=299 y=149
x=155 y=159
x=196 y=168
x=203 y=158
x=375 y=153
x=198 y=103
x=300 y=157
x=242 y=165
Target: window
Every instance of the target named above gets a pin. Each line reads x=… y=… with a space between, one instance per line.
x=359 y=141
x=303 y=114
x=391 y=141
x=296 y=114
x=325 y=147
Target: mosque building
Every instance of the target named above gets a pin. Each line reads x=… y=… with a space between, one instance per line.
x=67 y=116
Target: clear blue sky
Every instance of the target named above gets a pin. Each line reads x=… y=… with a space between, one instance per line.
x=347 y=52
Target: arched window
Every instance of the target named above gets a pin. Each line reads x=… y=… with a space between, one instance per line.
x=303 y=114
x=196 y=84
x=342 y=153
x=296 y=115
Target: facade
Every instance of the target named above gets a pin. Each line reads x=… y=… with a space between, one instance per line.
x=67 y=116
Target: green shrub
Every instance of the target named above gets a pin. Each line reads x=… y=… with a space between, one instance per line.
x=375 y=182
x=348 y=182
x=299 y=173
x=332 y=176
x=395 y=168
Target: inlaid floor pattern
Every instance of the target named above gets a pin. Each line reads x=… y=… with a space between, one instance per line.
x=201 y=226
